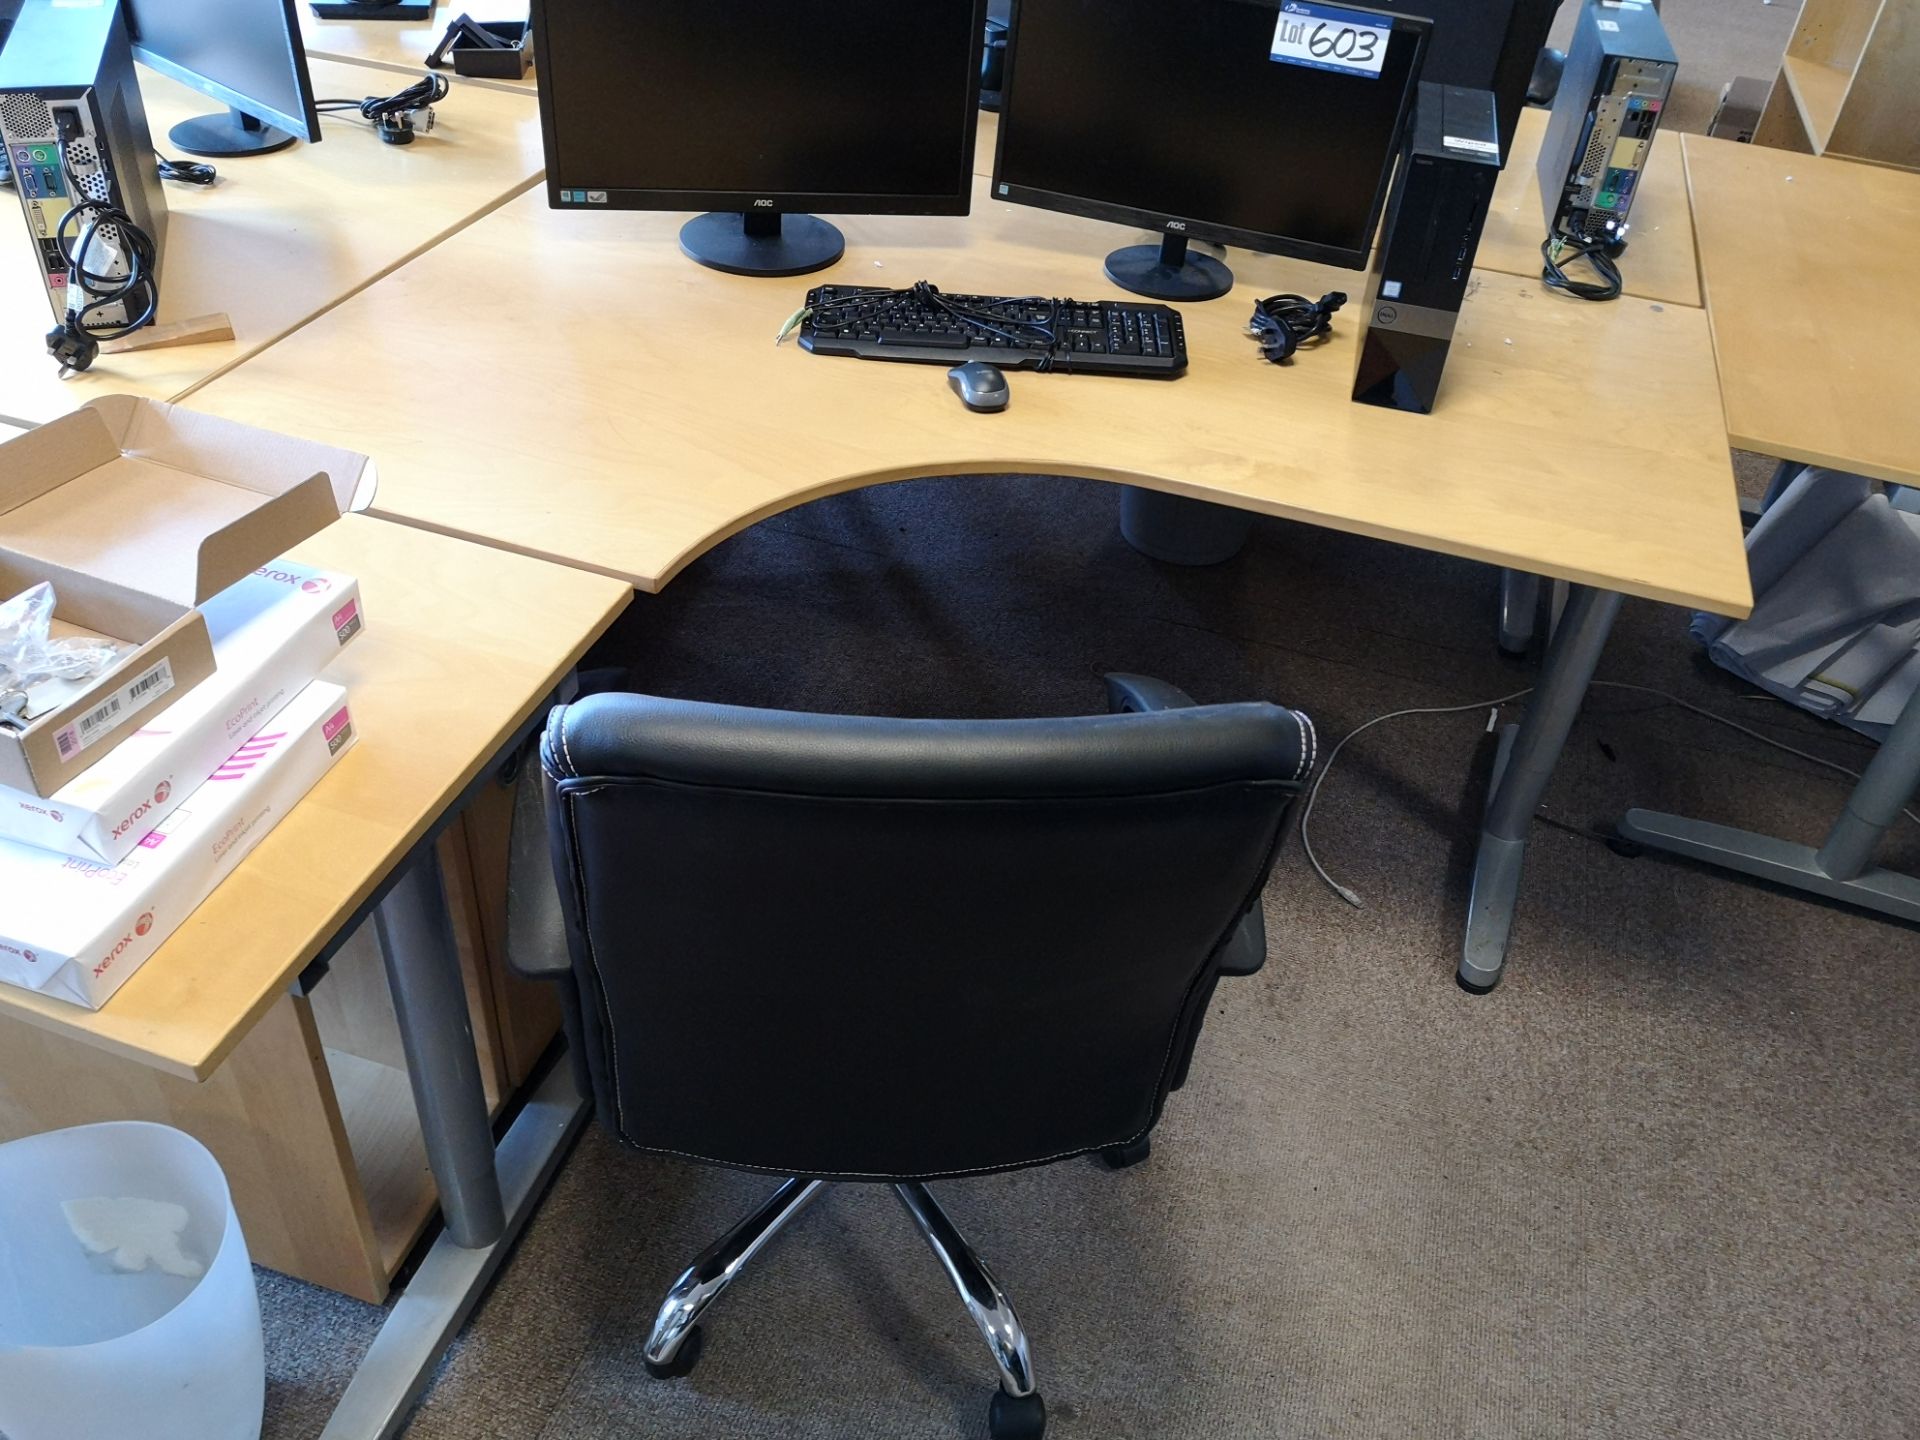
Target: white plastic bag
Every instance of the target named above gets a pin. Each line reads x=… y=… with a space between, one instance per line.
x=27 y=653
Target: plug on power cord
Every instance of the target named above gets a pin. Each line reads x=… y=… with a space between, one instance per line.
x=398 y=117
x=1283 y=323
x=105 y=236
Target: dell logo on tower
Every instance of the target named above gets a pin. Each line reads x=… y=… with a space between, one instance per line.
x=1176 y=224
x=763 y=204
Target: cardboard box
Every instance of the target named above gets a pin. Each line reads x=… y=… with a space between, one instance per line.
x=273 y=633
x=136 y=512
x=75 y=930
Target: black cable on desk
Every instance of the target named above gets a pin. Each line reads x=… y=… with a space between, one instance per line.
x=1283 y=323
x=184 y=172
x=1557 y=248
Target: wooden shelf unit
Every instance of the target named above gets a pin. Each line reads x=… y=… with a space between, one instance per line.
x=1846 y=85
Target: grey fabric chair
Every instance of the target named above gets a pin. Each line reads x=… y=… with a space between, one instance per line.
x=840 y=949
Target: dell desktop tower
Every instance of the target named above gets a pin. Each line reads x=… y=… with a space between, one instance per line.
x=75 y=131
x=1425 y=256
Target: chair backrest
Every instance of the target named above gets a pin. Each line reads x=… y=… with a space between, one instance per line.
x=870 y=948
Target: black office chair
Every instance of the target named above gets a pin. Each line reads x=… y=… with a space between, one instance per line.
x=892 y=951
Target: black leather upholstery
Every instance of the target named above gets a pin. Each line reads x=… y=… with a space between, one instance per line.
x=885 y=949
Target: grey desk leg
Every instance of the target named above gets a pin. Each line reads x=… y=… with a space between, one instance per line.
x=486 y=1194
x=436 y=1031
x=1519 y=610
x=1521 y=781
x=1841 y=869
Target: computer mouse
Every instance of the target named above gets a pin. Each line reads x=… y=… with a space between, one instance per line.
x=979 y=385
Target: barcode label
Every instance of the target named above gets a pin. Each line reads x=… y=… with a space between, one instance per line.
x=82 y=732
x=104 y=718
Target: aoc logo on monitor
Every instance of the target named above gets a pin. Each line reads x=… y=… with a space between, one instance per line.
x=763 y=204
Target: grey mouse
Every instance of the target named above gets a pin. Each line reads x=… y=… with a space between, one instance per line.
x=979 y=385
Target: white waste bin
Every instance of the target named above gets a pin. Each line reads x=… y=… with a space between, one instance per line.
x=127 y=1304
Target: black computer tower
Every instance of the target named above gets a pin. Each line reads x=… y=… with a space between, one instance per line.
x=1483 y=45
x=1619 y=73
x=75 y=130
x=1424 y=260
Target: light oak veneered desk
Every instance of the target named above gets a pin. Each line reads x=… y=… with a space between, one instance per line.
x=280 y=237
x=1815 y=309
x=641 y=413
x=464 y=647
x=1810 y=285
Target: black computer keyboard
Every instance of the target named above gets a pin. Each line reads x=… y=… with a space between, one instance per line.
x=1093 y=337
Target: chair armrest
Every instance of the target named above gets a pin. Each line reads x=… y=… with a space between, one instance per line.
x=1246 y=950
x=1142 y=693
x=536 y=930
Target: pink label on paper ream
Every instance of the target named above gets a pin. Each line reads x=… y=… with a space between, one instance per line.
x=345 y=613
x=153 y=840
x=339 y=722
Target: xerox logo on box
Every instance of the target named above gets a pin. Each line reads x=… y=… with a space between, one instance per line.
x=140 y=927
x=317 y=585
x=161 y=792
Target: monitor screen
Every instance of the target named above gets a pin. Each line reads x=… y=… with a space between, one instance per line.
x=244 y=53
x=855 y=106
x=1159 y=111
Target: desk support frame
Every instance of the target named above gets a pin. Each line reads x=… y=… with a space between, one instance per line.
x=1528 y=755
x=487 y=1192
x=1843 y=867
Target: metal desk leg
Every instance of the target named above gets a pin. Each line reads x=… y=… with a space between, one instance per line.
x=1520 y=780
x=1841 y=869
x=436 y=1031
x=1519 y=610
x=486 y=1194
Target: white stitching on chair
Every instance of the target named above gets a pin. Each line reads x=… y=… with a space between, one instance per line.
x=1312 y=747
x=564 y=748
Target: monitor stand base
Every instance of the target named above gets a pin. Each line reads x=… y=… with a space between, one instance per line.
x=762 y=242
x=228 y=135
x=1167 y=272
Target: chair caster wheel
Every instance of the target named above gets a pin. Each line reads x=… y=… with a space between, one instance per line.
x=1119 y=1157
x=1016 y=1417
x=684 y=1359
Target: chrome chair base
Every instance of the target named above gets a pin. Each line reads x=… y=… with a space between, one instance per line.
x=1017 y=1411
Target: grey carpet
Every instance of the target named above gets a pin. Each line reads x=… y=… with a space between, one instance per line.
x=1661 y=1183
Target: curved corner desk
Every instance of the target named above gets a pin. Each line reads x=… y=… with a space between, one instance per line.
x=610 y=405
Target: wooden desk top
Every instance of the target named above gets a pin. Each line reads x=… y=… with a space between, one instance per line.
x=279 y=237
x=643 y=413
x=1659 y=262
x=400 y=44
x=462 y=644
x=1814 y=303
